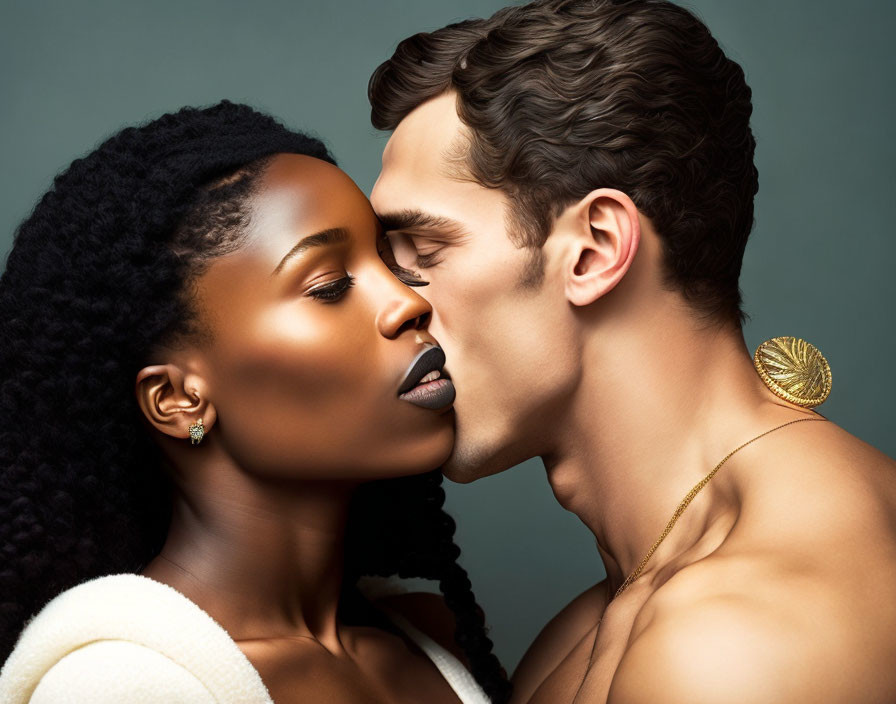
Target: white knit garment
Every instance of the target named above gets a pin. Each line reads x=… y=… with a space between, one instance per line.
x=452 y=669
x=128 y=638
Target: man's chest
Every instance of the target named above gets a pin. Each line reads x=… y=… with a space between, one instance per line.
x=584 y=676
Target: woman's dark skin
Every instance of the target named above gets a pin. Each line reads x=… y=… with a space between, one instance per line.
x=298 y=396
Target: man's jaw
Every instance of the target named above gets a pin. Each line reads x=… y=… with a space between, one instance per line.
x=472 y=460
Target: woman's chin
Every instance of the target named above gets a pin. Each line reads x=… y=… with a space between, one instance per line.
x=421 y=455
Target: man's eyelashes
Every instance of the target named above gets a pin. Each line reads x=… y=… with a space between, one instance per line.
x=407 y=277
x=424 y=261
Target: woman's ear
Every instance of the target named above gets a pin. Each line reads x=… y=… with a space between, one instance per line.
x=172 y=400
x=607 y=234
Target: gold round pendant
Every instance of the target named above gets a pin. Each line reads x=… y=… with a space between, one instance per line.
x=794 y=370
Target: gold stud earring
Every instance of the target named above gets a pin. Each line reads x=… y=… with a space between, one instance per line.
x=197 y=432
x=794 y=370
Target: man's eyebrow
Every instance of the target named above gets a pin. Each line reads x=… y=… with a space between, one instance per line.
x=333 y=235
x=419 y=220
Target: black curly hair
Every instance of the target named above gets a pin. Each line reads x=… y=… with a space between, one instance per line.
x=98 y=277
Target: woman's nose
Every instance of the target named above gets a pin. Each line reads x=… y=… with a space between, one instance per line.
x=404 y=310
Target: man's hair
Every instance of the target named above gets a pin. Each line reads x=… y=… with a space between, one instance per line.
x=561 y=97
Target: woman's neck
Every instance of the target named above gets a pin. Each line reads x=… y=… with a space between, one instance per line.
x=263 y=557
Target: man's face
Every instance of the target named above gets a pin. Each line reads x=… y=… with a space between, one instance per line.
x=508 y=343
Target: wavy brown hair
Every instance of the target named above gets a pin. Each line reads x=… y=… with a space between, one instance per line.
x=565 y=96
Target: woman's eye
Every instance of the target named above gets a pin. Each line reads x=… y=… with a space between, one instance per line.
x=332 y=292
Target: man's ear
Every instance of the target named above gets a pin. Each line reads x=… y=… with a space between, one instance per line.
x=172 y=400
x=607 y=233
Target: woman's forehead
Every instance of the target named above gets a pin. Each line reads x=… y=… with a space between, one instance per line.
x=308 y=194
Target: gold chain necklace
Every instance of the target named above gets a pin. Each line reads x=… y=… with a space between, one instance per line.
x=675 y=516
x=690 y=497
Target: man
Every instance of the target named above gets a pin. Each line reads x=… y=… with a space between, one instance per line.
x=575 y=180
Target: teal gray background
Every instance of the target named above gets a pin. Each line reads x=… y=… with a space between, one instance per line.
x=820 y=264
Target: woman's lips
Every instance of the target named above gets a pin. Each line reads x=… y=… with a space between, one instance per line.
x=425 y=384
x=434 y=395
x=429 y=359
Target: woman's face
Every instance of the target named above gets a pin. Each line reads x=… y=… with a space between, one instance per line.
x=312 y=339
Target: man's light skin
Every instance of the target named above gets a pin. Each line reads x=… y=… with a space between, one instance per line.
x=777 y=584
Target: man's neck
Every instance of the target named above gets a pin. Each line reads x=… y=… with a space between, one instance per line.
x=656 y=411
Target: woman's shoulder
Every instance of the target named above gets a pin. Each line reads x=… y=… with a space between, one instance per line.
x=431 y=624
x=138 y=618
x=114 y=671
x=430 y=614
x=416 y=604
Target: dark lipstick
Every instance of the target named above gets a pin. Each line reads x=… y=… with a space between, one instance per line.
x=434 y=393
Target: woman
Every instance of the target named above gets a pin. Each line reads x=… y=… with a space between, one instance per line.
x=206 y=364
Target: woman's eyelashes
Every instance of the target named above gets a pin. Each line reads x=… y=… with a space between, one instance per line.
x=333 y=291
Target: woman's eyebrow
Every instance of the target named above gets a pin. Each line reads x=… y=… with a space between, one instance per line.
x=333 y=235
x=417 y=220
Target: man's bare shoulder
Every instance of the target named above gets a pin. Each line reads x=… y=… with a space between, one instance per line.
x=830 y=449
x=796 y=605
x=562 y=633
x=722 y=650
x=818 y=492
x=737 y=649
x=767 y=624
